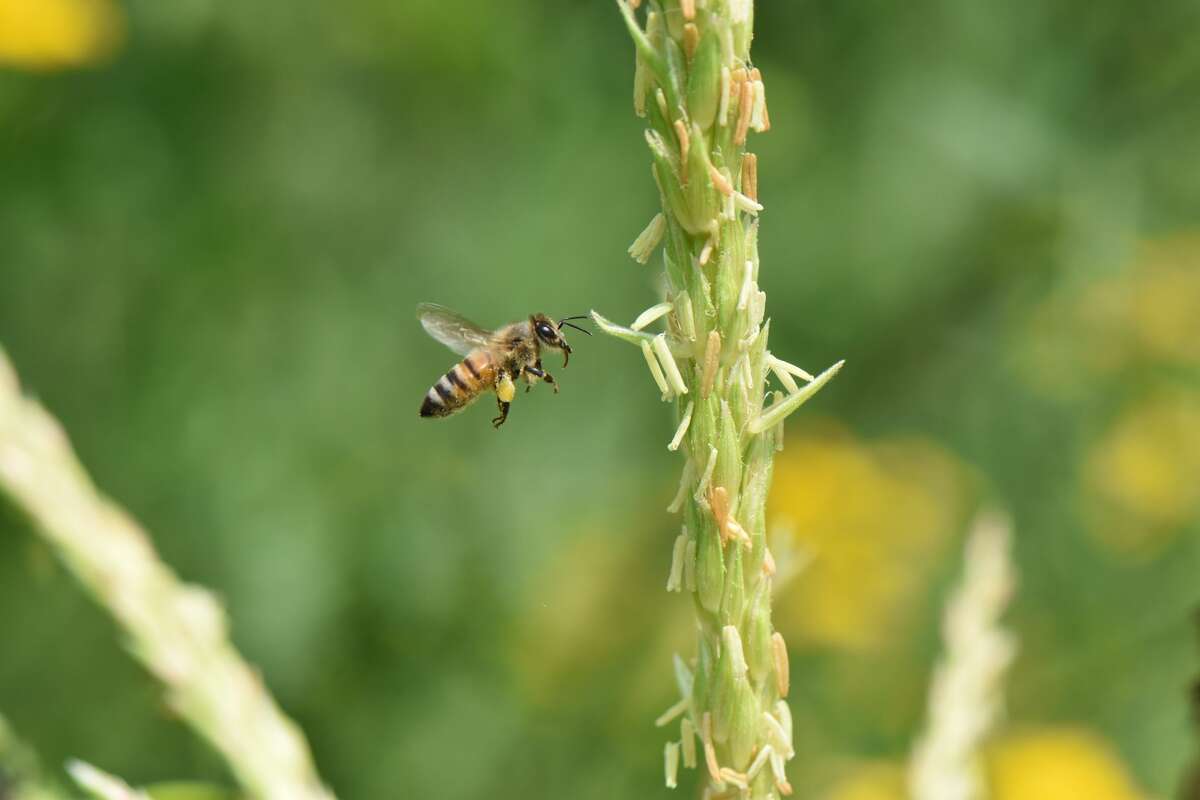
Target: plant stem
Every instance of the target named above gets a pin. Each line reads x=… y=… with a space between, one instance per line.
x=700 y=97
x=176 y=630
x=20 y=774
x=966 y=695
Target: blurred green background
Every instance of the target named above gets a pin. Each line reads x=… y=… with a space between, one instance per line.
x=217 y=218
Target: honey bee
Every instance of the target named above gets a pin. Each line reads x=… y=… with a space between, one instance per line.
x=494 y=359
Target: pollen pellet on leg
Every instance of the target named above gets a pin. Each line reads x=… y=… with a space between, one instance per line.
x=505 y=389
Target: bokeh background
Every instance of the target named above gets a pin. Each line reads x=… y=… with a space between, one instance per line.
x=217 y=218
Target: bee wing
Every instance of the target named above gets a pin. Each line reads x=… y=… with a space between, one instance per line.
x=452 y=329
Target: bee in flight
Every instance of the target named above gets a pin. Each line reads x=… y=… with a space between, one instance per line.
x=494 y=359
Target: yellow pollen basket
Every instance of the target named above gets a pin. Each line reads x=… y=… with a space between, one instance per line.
x=505 y=389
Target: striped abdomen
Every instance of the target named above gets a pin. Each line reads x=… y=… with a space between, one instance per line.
x=465 y=381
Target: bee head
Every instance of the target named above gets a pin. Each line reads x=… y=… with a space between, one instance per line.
x=550 y=334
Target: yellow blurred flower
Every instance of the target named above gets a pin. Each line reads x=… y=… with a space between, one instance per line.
x=1062 y=763
x=1142 y=478
x=874 y=518
x=52 y=34
x=875 y=781
x=1057 y=764
x=1146 y=314
x=1164 y=308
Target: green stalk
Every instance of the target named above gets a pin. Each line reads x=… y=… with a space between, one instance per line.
x=177 y=630
x=700 y=97
x=21 y=776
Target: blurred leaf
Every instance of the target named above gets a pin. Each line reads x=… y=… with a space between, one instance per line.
x=190 y=791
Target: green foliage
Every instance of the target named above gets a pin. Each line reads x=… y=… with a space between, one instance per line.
x=189 y=791
x=209 y=254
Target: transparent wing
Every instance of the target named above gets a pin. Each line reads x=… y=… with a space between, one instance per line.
x=452 y=329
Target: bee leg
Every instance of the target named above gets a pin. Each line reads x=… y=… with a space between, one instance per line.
x=505 y=389
x=537 y=370
x=498 y=421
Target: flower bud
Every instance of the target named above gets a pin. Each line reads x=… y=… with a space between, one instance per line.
x=724 y=694
x=759 y=652
x=743 y=725
x=756 y=482
x=710 y=561
x=676 y=72
x=733 y=598
x=704 y=81
x=729 y=459
x=730 y=270
x=705 y=205
x=703 y=429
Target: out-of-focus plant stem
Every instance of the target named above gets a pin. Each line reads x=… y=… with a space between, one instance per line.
x=700 y=96
x=20 y=774
x=967 y=695
x=176 y=630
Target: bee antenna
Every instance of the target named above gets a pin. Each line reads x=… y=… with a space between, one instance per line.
x=566 y=321
x=576 y=327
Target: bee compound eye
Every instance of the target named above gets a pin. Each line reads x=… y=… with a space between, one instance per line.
x=545 y=331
